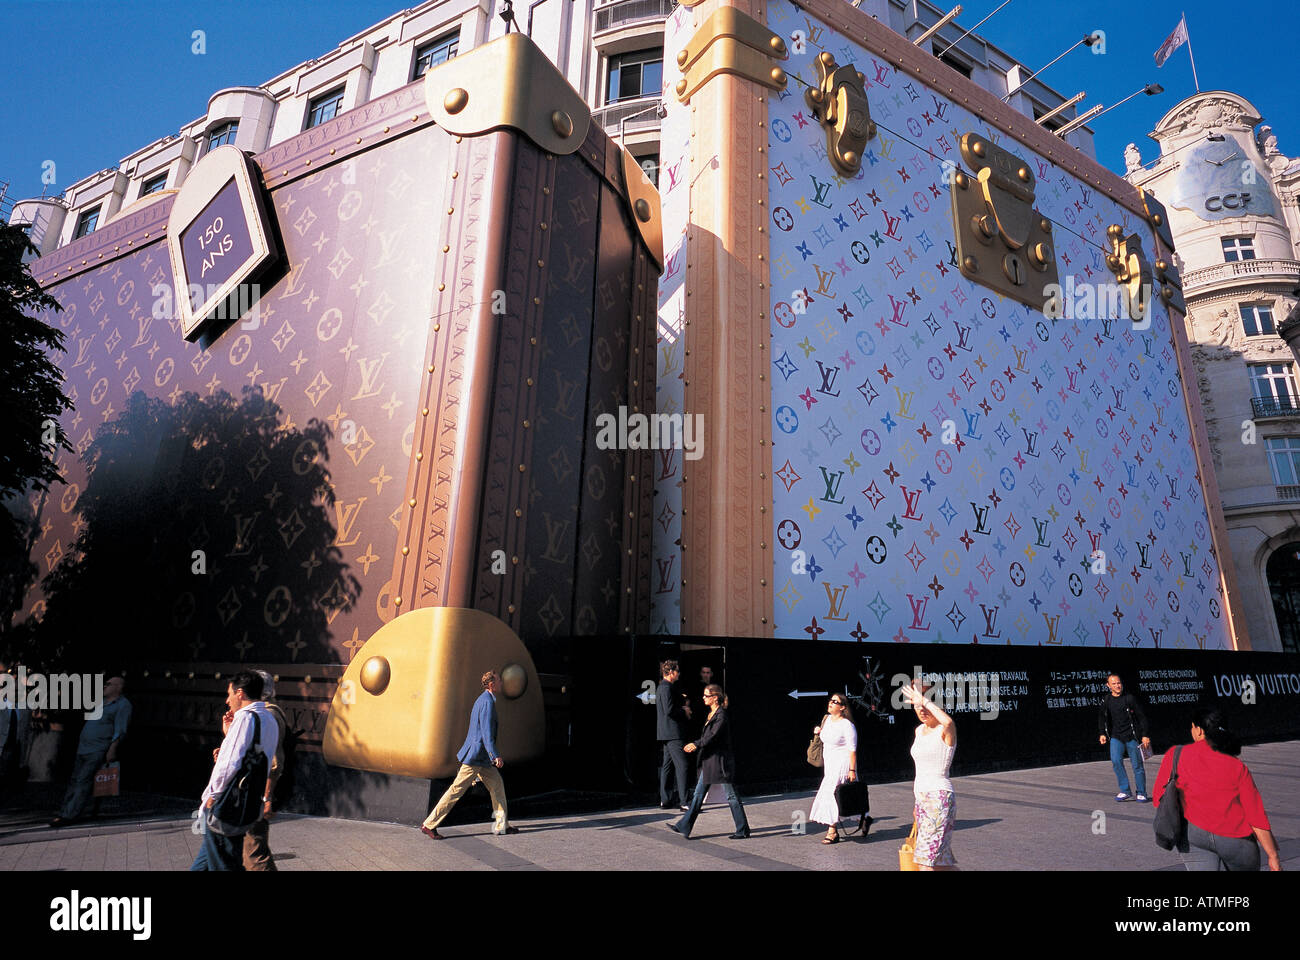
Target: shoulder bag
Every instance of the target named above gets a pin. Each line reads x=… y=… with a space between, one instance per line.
x=1170 y=824
x=906 y=861
x=815 y=749
x=239 y=805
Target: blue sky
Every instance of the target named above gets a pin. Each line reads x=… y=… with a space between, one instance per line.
x=84 y=84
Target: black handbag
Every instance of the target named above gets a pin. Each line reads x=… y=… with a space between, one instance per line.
x=1170 y=824
x=239 y=805
x=853 y=799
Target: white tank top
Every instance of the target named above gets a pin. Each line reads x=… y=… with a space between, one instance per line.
x=933 y=759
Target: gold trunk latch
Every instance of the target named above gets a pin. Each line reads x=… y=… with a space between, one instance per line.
x=1168 y=279
x=1131 y=269
x=1003 y=243
x=839 y=102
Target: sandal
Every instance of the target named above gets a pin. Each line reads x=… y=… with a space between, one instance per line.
x=831 y=837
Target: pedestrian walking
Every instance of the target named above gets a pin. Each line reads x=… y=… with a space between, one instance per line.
x=717 y=765
x=933 y=746
x=839 y=739
x=673 y=712
x=1122 y=724
x=1226 y=822
x=100 y=741
x=252 y=730
x=479 y=763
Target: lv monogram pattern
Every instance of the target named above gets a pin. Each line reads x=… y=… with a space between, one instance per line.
x=1070 y=449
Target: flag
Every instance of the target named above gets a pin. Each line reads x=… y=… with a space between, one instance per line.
x=1172 y=43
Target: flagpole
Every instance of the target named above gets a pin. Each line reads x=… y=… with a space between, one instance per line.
x=1189 y=54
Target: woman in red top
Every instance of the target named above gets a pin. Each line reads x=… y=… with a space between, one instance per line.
x=1225 y=813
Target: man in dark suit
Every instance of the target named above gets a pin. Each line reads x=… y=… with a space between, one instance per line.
x=673 y=713
x=15 y=735
x=479 y=763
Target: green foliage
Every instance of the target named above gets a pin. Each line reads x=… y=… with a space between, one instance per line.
x=31 y=383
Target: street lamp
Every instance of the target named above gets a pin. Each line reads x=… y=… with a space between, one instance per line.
x=1079 y=121
x=1087 y=41
x=1151 y=89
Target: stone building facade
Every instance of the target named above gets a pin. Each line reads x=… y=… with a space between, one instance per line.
x=1232 y=201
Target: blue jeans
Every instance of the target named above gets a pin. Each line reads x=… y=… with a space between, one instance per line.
x=218 y=852
x=687 y=822
x=82 y=786
x=1134 y=748
x=1205 y=851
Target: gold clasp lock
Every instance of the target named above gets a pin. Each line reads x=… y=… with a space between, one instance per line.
x=1132 y=270
x=839 y=102
x=1170 y=282
x=1158 y=217
x=1002 y=242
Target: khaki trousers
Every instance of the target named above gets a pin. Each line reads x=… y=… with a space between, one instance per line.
x=468 y=775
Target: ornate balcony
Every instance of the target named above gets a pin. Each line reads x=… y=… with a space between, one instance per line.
x=626 y=13
x=1288 y=493
x=1262 y=407
x=1222 y=275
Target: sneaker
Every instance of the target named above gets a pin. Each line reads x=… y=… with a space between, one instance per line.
x=1120 y=797
x=1142 y=798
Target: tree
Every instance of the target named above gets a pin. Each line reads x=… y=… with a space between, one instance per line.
x=31 y=388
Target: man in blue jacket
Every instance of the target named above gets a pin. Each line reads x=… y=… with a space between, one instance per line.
x=479 y=763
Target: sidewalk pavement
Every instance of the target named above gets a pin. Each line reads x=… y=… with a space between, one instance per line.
x=1050 y=818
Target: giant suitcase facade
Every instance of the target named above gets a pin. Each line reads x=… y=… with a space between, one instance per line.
x=464 y=284
x=910 y=440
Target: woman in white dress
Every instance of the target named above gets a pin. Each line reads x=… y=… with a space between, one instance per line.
x=840 y=757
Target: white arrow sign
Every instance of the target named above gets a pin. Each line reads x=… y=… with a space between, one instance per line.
x=646 y=697
x=809 y=693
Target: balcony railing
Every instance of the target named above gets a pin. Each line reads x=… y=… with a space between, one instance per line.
x=611 y=116
x=623 y=13
x=1288 y=493
x=1275 y=406
x=1260 y=271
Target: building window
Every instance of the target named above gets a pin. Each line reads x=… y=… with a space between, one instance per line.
x=220 y=136
x=1284 y=459
x=633 y=75
x=432 y=54
x=1238 y=248
x=1273 y=381
x=952 y=61
x=1256 y=318
x=86 y=223
x=324 y=108
x=154 y=185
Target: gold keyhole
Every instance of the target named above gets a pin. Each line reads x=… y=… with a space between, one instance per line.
x=1013 y=268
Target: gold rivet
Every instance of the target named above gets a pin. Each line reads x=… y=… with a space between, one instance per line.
x=437 y=327
x=541 y=226
x=431 y=368
x=411 y=502
x=358 y=139
x=419 y=456
x=526 y=424
x=385 y=129
x=331 y=151
x=529 y=381
x=406 y=551
x=681 y=87
x=306 y=163
x=518 y=512
x=562 y=123
x=424 y=411
x=442 y=287
x=514 y=559
x=511 y=608
x=777 y=44
x=521 y=468
x=546 y=191
x=642 y=210
x=533 y=341
x=971 y=264
x=450 y=211
x=682 y=57
x=1023 y=174
x=397 y=601
x=977 y=148
x=455 y=174
x=445 y=248
x=537 y=301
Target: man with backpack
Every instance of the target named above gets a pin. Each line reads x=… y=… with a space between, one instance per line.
x=233 y=799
